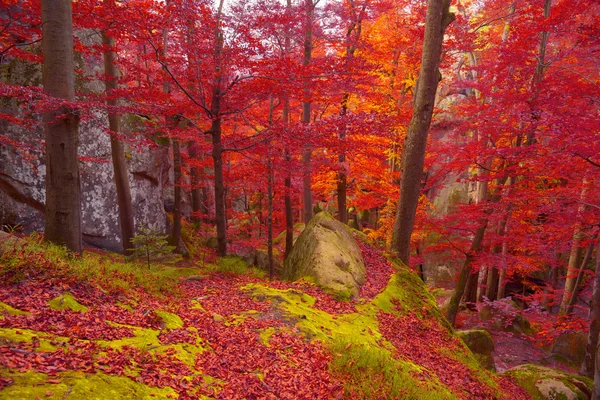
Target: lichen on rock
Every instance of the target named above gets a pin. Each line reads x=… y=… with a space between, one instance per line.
x=544 y=383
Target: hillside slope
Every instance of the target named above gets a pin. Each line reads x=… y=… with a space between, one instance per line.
x=97 y=328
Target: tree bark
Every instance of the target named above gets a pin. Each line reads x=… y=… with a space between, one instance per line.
x=117 y=148
x=307 y=152
x=591 y=363
x=195 y=181
x=586 y=260
x=217 y=150
x=270 y=198
x=63 y=192
x=176 y=231
x=465 y=272
x=574 y=256
x=437 y=20
x=289 y=212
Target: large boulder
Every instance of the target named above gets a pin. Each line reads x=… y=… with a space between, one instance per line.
x=548 y=384
x=480 y=342
x=327 y=251
x=570 y=347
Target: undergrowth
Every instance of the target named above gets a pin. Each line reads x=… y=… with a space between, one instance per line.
x=32 y=256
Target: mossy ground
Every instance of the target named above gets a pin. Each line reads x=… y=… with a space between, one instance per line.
x=247 y=308
x=78 y=386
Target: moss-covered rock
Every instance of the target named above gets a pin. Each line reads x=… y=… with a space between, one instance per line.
x=280 y=239
x=480 y=342
x=547 y=384
x=66 y=301
x=327 y=251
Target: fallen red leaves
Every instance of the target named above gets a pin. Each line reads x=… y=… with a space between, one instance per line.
x=422 y=341
x=379 y=270
x=227 y=322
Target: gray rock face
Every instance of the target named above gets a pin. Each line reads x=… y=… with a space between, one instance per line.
x=22 y=188
x=22 y=170
x=327 y=251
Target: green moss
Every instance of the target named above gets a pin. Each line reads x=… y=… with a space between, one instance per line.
x=371 y=372
x=266 y=334
x=46 y=340
x=467 y=358
x=537 y=380
x=361 y=353
x=107 y=270
x=78 y=386
x=66 y=301
x=125 y=306
x=6 y=309
x=235 y=265
x=171 y=321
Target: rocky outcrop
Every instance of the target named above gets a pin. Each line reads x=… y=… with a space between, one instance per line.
x=547 y=384
x=327 y=251
x=480 y=342
x=23 y=171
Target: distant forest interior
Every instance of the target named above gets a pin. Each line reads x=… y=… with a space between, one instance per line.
x=300 y=199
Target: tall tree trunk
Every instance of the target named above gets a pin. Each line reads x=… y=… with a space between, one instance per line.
x=63 y=192
x=342 y=185
x=117 y=149
x=574 y=255
x=176 y=232
x=437 y=20
x=591 y=363
x=584 y=263
x=289 y=213
x=465 y=272
x=307 y=152
x=217 y=154
x=270 y=198
x=217 y=149
x=195 y=181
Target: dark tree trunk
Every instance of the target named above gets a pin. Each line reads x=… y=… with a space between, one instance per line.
x=342 y=184
x=196 y=186
x=117 y=150
x=63 y=192
x=465 y=272
x=438 y=18
x=591 y=363
x=176 y=232
x=584 y=263
x=217 y=154
x=289 y=212
x=307 y=152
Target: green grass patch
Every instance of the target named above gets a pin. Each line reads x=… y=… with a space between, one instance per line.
x=236 y=266
x=19 y=259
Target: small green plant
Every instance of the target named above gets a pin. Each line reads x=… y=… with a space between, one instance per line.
x=150 y=245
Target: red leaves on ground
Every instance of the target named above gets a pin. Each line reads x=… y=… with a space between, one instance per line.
x=379 y=270
x=226 y=320
x=422 y=342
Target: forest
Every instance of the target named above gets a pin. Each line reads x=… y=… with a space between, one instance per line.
x=300 y=199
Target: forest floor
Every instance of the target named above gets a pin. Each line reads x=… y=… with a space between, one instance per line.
x=97 y=325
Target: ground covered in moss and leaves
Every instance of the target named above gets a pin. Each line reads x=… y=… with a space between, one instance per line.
x=94 y=327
